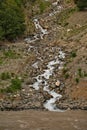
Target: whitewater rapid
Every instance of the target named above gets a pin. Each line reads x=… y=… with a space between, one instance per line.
x=44 y=77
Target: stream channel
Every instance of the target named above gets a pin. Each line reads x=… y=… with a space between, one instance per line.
x=44 y=77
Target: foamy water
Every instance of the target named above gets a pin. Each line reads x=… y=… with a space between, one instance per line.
x=49 y=104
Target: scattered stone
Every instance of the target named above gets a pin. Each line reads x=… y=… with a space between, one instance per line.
x=57 y=83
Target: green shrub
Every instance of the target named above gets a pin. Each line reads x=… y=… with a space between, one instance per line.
x=80 y=72
x=43 y=5
x=77 y=80
x=15 y=86
x=81 y=4
x=10 y=54
x=11 y=20
x=5 y=76
x=73 y=54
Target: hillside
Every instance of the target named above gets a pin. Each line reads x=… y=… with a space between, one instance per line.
x=43 y=65
x=54 y=50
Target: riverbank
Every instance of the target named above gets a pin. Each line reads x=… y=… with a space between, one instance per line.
x=38 y=120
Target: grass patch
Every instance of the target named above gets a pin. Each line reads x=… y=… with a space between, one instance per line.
x=64 y=15
x=10 y=54
x=15 y=86
x=5 y=76
x=76 y=31
x=43 y=5
x=82 y=73
x=1 y=61
x=68 y=1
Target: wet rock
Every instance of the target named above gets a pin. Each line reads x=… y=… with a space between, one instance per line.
x=46 y=95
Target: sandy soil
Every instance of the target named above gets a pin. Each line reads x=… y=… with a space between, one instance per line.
x=38 y=120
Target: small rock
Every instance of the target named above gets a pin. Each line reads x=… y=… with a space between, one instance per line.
x=46 y=95
x=15 y=96
x=57 y=83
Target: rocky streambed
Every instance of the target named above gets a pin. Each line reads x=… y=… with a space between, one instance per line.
x=42 y=79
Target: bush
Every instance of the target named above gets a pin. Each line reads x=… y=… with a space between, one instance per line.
x=5 y=76
x=11 y=20
x=10 y=54
x=77 y=80
x=81 y=4
x=73 y=54
x=15 y=85
x=43 y=6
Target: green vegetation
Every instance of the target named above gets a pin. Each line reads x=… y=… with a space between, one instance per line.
x=76 y=31
x=16 y=17
x=85 y=74
x=68 y=1
x=10 y=54
x=11 y=19
x=64 y=15
x=77 y=80
x=73 y=54
x=81 y=4
x=43 y=5
x=1 y=61
x=65 y=73
x=5 y=76
x=15 y=86
x=80 y=72
x=66 y=76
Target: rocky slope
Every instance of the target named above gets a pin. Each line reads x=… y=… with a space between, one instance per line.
x=56 y=52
